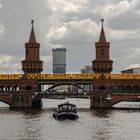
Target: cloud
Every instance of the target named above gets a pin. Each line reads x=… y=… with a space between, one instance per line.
x=10 y=64
x=68 y=6
x=111 y=10
x=74 y=32
x=72 y=24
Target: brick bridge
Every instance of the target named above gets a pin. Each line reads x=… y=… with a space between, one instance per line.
x=23 y=90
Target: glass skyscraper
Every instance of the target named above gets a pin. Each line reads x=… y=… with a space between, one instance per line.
x=59 y=60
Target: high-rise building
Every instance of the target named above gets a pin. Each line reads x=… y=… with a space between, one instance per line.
x=59 y=60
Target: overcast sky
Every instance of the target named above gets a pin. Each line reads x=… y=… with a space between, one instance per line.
x=73 y=24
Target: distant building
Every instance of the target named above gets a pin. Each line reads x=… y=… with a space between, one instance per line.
x=132 y=70
x=87 y=70
x=59 y=60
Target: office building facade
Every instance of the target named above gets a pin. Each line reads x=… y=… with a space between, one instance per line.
x=59 y=60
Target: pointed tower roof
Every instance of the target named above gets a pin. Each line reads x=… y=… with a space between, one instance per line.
x=32 y=38
x=102 y=37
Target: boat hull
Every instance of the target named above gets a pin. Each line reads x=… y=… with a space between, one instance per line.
x=63 y=116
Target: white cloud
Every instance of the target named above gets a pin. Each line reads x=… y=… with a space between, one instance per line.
x=67 y=6
x=57 y=33
x=135 y=51
x=73 y=24
x=73 y=32
x=10 y=64
x=112 y=10
x=122 y=34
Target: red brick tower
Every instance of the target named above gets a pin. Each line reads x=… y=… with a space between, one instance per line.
x=32 y=62
x=102 y=63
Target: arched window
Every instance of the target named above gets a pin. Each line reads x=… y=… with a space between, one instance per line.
x=102 y=87
x=28 y=87
x=121 y=88
x=136 y=88
x=115 y=88
x=128 y=88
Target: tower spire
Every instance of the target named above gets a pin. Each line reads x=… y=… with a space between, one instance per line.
x=32 y=38
x=102 y=37
x=32 y=62
x=102 y=62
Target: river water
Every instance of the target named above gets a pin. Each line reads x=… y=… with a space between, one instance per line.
x=33 y=124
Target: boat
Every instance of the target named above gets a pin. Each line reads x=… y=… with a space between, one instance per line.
x=66 y=111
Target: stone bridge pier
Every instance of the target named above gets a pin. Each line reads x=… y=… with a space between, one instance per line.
x=100 y=99
x=21 y=100
x=106 y=99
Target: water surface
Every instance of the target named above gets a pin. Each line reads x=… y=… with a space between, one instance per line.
x=33 y=124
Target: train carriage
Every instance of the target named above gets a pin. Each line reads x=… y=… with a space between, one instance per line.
x=31 y=76
x=3 y=76
x=60 y=76
x=14 y=76
x=82 y=76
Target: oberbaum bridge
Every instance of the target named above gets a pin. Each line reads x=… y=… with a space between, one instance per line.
x=24 y=90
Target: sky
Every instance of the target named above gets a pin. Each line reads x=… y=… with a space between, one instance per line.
x=71 y=24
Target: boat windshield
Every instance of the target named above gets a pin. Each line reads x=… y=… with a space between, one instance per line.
x=67 y=108
x=60 y=108
x=64 y=107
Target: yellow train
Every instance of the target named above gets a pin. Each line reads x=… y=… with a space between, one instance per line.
x=69 y=76
x=10 y=76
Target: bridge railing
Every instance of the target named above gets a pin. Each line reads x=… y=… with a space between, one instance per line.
x=19 y=92
x=101 y=91
x=116 y=91
x=126 y=91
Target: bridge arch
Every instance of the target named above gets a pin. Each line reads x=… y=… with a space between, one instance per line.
x=57 y=85
x=136 y=88
x=3 y=101
x=5 y=98
x=16 y=88
x=3 y=88
x=9 y=88
x=115 y=88
x=129 y=88
x=28 y=87
x=121 y=87
x=102 y=87
x=118 y=99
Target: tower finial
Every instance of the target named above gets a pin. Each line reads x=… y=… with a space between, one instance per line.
x=32 y=38
x=102 y=20
x=102 y=34
x=32 y=22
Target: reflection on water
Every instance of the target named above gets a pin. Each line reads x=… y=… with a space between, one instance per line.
x=99 y=124
x=102 y=113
